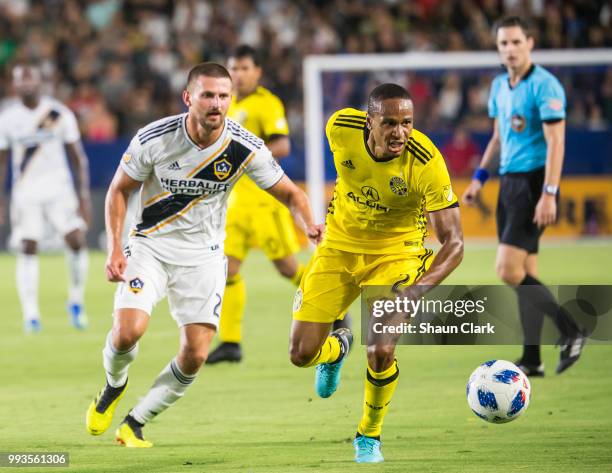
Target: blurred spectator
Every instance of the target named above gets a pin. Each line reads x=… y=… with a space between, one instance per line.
x=98 y=51
x=101 y=125
x=461 y=153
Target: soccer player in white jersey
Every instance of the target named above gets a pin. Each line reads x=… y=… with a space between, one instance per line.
x=185 y=166
x=40 y=132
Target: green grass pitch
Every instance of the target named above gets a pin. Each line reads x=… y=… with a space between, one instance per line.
x=263 y=415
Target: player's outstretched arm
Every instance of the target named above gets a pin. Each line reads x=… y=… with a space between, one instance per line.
x=80 y=166
x=115 y=208
x=295 y=198
x=446 y=224
x=3 y=166
x=471 y=193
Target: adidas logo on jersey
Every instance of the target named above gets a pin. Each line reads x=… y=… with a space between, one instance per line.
x=348 y=164
x=175 y=166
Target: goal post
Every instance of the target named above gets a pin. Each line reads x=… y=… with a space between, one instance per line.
x=314 y=66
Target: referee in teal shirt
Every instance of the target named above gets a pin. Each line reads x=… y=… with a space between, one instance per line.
x=527 y=104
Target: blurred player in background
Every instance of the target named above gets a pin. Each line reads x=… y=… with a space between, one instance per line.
x=255 y=218
x=389 y=174
x=41 y=132
x=528 y=106
x=185 y=166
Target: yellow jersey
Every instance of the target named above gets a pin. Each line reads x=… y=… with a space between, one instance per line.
x=263 y=114
x=379 y=206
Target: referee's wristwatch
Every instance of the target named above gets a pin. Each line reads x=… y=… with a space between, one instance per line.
x=550 y=189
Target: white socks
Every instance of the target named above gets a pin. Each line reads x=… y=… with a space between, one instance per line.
x=116 y=363
x=78 y=264
x=168 y=388
x=27 y=285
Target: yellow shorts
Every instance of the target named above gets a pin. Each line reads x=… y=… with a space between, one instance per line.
x=333 y=279
x=270 y=228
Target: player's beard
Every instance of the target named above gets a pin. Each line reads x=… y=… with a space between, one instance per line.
x=211 y=125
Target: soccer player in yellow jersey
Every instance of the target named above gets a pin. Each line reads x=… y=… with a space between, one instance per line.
x=389 y=176
x=254 y=218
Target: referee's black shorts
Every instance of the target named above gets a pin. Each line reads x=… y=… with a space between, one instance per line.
x=518 y=196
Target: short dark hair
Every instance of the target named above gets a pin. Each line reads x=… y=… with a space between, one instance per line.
x=244 y=50
x=384 y=92
x=513 y=21
x=208 y=69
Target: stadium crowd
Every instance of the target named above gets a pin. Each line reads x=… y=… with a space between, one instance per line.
x=122 y=63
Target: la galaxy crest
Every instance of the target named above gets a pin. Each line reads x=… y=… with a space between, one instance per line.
x=222 y=169
x=136 y=285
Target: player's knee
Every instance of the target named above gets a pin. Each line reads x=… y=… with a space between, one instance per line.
x=380 y=357
x=300 y=355
x=285 y=268
x=192 y=358
x=75 y=240
x=29 y=247
x=124 y=338
x=233 y=266
x=510 y=274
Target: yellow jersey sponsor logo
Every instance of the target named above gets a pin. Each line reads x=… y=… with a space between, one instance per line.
x=369 y=199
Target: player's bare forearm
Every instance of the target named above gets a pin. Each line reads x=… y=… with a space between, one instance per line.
x=296 y=200
x=115 y=207
x=279 y=146
x=554 y=134
x=446 y=224
x=79 y=163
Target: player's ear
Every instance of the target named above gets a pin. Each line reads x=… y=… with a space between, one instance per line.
x=187 y=98
x=368 y=122
x=530 y=42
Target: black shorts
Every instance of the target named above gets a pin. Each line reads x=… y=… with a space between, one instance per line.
x=518 y=196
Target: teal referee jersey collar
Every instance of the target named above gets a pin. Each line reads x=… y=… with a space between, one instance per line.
x=523 y=78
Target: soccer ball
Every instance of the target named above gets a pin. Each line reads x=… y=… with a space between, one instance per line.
x=498 y=391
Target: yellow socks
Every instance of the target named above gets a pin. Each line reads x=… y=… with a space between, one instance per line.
x=232 y=310
x=379 y=389
x=329 y=352
x=297 y=277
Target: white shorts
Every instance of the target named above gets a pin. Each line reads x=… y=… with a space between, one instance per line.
x=30 y=219
x=195 y=293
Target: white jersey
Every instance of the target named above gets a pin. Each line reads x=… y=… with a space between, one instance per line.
x=36 y=138
x=183 y=199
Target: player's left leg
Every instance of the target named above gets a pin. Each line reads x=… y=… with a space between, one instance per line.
x=232 y=311
x=195 y=295
x=292 y=269
x=325 y=293
x=382 y=374
x=386 y=273
x=237 y=245
x=77 y=259
x=63 y=214
x=535 y=301
x=27 y=225
x=170 y=385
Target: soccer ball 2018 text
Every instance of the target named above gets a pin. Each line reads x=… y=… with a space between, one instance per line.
x=498 y=391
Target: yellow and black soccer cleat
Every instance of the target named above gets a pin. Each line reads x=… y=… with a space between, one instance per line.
x=129 y=434
x=101 y=410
